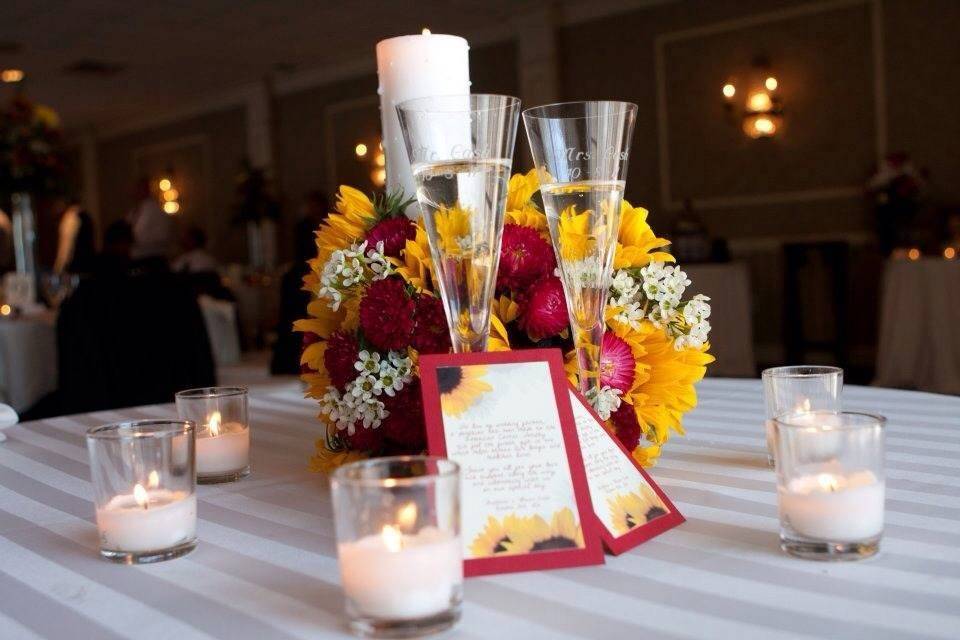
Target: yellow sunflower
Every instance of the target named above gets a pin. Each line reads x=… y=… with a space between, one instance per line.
x=633 y=509
x=324 y=460
x=576 y=243
x=636 y=242
x=536 y=534
x=497 y=538
x=461 y=387
x=453 y=229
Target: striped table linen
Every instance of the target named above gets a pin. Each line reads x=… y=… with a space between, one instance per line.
x=266 y=564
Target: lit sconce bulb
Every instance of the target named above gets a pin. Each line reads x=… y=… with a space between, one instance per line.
x=914 y=254
x=11 y=75
x=5 y=310
x=764 y=126
x=425 y=31
x=760 y=102
x=165 y=185
x=378 y=177
x=171 y=208
x=170 y=195
x=729 y=90
x=771 y=84
x=380 y=159
x=949 y=253
x=360 y=150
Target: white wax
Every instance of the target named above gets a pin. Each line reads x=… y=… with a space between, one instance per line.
x=169 y=519
x=411 y=67
x=834 y=507
x=415 y=581
x=225 y=452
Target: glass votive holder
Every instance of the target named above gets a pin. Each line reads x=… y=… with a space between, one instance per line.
x=144 y=489
x=223 y=432
x=830 y=484
x=798 y=390
x=398 y=542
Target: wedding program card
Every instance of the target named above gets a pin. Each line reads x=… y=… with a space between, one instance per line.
x=506 y=419
x=629 y=505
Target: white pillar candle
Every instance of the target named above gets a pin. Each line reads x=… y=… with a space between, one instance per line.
x=398 y=576
x=415 y=67
x=222 y=447
x=147 y=520
x=834 y=507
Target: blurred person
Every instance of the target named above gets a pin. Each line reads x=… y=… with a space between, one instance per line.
x=293 y=299
x=76 y=249
x=6 y=242
x=195 y=258
x=152 y=228
x=117 y=248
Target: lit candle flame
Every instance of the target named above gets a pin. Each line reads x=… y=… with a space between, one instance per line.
x=804 y=407
x=140 y=495
x=407 y=516
x=213 y=424
x=392 y=538
x=153 y=480
x=828 y=482
x=425 y=31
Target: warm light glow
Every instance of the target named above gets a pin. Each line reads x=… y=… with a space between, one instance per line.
x=140 y=495
x=360 y=150
x=380 y=159
x=392 y=538
x=170 y=195
x=949 y=253
x=760 y=102
x=828 y=482
x=407 y=516
x=729 y=90
x=425 y=31
x=5 y=310
x=213 y=423
x=764 y=126
x=165 y=184
x=153 y=479
x=389 y=483
x=171 y=207
x=11 y=75
x=914 y=254
x=771 y=84
x=378 y=176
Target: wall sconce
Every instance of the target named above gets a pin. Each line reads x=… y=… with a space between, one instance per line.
x=169 y=196
x=378 y=175
x=761 y=114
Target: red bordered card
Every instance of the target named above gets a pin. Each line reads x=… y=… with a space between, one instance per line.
x=630 y=507
x=506 y=419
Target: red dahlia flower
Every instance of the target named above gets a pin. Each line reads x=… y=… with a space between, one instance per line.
x=364 y=439
x=524 y=258
x=393 y=233
x=628 y=429
x=338 y=359
x=431 y=334
x=543 y=311
x=386 y=315
x=404 y=426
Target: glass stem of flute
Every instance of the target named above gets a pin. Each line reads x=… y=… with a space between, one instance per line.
x=587 y=341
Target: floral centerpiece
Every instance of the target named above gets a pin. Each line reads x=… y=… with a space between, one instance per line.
x=32 y=158
x=375 y=308
x=897 y=189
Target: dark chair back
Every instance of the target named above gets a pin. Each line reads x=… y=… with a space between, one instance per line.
x=131 y=340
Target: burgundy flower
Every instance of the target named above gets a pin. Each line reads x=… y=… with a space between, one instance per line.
x=627 y=428
x=543 y=310
x=393 y=233
x=404 y=428
x=430 y=334
x=386 y=315
x=339 y=358
x=364 y=439
x=524 y=258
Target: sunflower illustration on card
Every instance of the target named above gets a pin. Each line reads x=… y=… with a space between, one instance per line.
x=628 y=504
x=506 y=419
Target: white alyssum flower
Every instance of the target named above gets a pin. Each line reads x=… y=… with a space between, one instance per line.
x=605 y=401
x=360 y=403
x=350 y=267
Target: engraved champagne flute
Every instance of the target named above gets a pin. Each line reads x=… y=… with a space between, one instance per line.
x=460 y=150
x=580 y=150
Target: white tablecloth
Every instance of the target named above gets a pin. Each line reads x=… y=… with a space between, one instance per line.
x=731 y=333
x=28 y=359
x=919 y=345
x=266 y=563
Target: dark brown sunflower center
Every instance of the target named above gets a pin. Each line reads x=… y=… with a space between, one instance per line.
x=501 y=545
x=448 y=378
x=655 y=512
x=556 y=542
x=631 y=523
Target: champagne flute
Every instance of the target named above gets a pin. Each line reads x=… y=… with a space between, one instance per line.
x=580 y=150
x=460 y=150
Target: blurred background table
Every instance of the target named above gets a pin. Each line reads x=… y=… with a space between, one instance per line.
x=28 y=359
x=919 y=345
x=731 y=334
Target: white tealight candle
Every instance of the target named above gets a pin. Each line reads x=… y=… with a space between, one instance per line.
x=415 y=67
x=223 y=447
x=834 y=507
x=147 y=520
x=398 y=576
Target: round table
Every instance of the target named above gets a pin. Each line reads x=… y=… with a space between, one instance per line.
x=28 y=359
x=266 y=563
